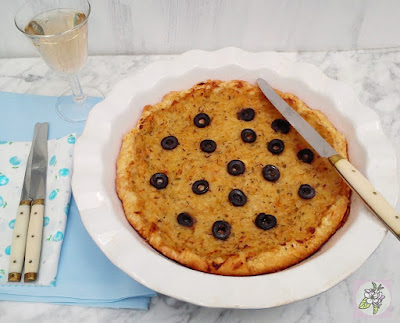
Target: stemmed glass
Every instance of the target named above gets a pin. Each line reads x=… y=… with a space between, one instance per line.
x=58 y=29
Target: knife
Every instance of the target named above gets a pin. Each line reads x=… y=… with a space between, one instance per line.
x=356 y=181
x=38 y=195
x=21 y=224
x=27 y=236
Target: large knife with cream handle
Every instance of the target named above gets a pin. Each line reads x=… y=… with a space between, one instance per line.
x=357 y=182
x=28 y=229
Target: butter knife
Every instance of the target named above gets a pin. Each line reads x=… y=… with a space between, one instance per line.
x=356 y=181
x=28 y=219
x=38 y=196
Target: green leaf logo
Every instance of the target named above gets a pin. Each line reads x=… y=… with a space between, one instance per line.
x=364 y=304
x=372 y=296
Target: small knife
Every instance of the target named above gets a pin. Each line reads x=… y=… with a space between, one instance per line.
x=38 y=196
x=356 y=181
x=28 y=229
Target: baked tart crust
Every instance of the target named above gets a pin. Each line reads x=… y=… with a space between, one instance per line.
x=302 y=225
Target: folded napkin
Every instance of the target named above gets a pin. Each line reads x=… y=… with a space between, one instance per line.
x=85 y=277
x=13 y=160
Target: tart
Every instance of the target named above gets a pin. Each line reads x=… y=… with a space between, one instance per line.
x=215 y=178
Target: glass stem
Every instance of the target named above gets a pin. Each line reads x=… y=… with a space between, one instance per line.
x=76 y=88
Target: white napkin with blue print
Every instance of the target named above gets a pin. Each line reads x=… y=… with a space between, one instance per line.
x=13 y=159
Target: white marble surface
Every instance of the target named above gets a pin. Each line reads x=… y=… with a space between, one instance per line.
x=374 y=76
x=174 y=26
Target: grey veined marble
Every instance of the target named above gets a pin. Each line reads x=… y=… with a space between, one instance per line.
x=374 y=76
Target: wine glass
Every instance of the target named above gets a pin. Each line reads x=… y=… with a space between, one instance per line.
x=58 y=29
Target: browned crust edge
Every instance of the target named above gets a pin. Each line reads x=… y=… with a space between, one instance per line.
x=238 y=265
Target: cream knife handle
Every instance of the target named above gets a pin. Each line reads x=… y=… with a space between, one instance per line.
x=34 y=241
x=19 y=242
x=371 y=197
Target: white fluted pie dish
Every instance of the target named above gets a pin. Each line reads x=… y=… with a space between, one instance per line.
x=97 y=149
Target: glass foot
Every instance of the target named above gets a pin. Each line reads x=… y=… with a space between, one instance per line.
x=76 y=109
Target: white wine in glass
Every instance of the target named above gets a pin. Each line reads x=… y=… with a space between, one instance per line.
x=58 y=30
x=67 y=53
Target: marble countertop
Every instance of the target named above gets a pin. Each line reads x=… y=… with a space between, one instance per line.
x=375 y=77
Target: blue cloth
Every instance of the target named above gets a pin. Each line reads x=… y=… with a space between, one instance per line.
x=85 y=276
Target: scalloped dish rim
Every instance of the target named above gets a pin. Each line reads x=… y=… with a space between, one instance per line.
x=102 y=213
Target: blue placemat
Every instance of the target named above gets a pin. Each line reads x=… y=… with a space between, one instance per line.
x=85 y=276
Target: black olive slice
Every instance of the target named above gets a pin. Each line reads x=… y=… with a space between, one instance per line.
x=276 y=146
x=202 y=120
x=237 y=197
x=246 y=114
x=281 y=125
x=208 y=146
x=169 y=142
x=306 y=191
x=221 y=230
x=248 y=135
x=265 y=221
x=159 y=181
x=236 y=167
x=306 y=155
x=185 y=219
x=271 y=173
x=200 y=187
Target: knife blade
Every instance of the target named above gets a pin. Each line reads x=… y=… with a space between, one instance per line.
x=38 y=195
x=356 y=181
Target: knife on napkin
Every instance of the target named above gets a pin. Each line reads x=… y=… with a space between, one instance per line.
x=28 y=229
x=356 y=181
